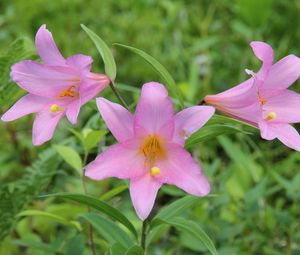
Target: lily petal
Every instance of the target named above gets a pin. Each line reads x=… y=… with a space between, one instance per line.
x=283 y=73
x=81 y=62
x=266 y=131
x=190 y=120
x=181 y=170
x=72 y=111
x=241 y=95
x=120 y=160
x=91 y=88
x=117 y=118
x=25 y=105
x=41 y=80
x=286 y=105
x=265 y=53
x=288 y=135
x=47 y=48
x=154 y=112
x=143 y=192
x=44 y=126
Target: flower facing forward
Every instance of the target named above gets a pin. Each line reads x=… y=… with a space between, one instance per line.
x=150 y=150
x=264 y=99
x=55 y=88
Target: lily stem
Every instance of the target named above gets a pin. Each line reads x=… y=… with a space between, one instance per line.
x=91 y=234
x=144 y=235
x=118 y=95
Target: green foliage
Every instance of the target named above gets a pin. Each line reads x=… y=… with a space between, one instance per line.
x=218 y=125
x=50 y=216
x=158 y=67
x=100 y=206
x=20 y=49
x=17 y=195
x=204 y=45
x=70 y=156
x=108 y=59
x=108 y=229
x=195 y=230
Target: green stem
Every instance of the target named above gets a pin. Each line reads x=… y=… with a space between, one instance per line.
x=118 y=95
x=91 y=235
x=144 y=236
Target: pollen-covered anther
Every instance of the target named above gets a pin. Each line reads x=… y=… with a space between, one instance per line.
x=270 y=116
x=56 y=108
x=70 y=92
x=152 y=149
x=154 y=171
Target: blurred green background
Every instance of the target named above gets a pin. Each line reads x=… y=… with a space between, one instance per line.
x=204 y=44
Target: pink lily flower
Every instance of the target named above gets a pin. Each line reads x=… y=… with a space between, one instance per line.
x=151 y=147
x=55 y=88
x=264 y=100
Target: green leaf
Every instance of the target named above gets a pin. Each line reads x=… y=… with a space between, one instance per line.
x=218 y=125
x=110 y=194
x=37 y=245
x=195 y=230
x=52 y=216
x=243 y=160
x=98 y=205
x=108 y=229
x=75 y=245
x=117 y=249
x=135 y=250
x=108 y=59
x=160 y=69
x=174 y=209
x=70 y=156
x=92 y=138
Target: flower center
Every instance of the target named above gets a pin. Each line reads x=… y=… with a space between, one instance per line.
x=270 y=116
x=69 y=92
x=153 y=150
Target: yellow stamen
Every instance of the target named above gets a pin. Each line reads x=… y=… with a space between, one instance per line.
x=271 y=115
x=153 y=149
x=56 y=108
x=70 y=92
x=154 y=171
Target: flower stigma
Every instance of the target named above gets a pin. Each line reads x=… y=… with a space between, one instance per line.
x=56 y=108
x=271 y=115
x=154 y=171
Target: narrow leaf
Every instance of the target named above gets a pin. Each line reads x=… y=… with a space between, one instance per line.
x=195 y=230
x=98 y=205
x=110 y=194
x=117 y=249
x=51 y=216
x=108 y=59
x=174 y=209
x=135 y=250
x=70 y=156
x=37 y=245
x=218 y=125
x=108 y=229
x=160 y=69
x=92 y=138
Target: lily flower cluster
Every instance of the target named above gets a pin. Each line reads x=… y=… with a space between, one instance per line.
x=151 y=150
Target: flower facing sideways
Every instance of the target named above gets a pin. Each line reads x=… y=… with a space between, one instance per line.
x=264 y=99
x=55 y=88
x=150 y=150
